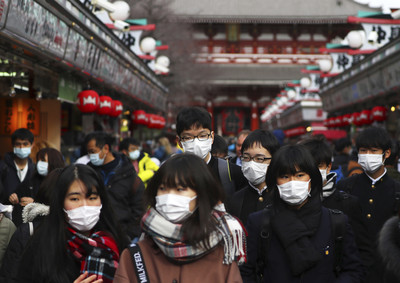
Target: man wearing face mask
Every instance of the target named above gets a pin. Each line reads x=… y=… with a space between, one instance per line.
x=123 y=186
x=257 y=151
x=193 y=127
x=16 y=166
x=141 y=161
x=378 y=194
x=340 y=200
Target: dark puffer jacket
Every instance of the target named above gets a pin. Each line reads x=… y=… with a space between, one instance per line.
x=9 y=177
x=389 y=249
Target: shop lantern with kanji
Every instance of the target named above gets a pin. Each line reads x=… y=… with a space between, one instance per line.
x=379 y=113
x=365 y=117
x=346 y=119
x=140 y=117
x=104 y=105
x=356 y=118
x=156 y=121
x=116 y=108
x=88 y=101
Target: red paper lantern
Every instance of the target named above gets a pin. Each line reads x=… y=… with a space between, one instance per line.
x=140 y=117
x=105 y=105
x=365 y=117
x=356 y=118
x=326 y=122
x=116 y=108
x=331 y=122
x=338 y=121
x=379 y=113
x=88 y=101
x=346 y=119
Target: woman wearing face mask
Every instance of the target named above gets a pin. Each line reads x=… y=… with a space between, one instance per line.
x=298 y=244
x=257 y=151
x=188 y=237
x=78 y=241
x=48 y=159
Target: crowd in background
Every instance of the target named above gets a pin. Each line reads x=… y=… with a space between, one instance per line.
x=202 y=208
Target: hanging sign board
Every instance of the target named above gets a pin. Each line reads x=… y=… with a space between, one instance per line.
x=18 y=113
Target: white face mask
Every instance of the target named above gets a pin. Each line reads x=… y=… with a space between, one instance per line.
x=254 y=172
x=199 y=148
x=294 y=192
x=174 y=208
x=22 y=152
x=96 y=160
x=134 y=155
x=83 y=218
x=370 y=162
x=323 y=174
x=42 y=167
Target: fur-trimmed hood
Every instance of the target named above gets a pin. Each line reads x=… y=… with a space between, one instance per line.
x=389 y=245
x=34 y=209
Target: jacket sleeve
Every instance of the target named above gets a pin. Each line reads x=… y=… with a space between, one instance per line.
x=125 y=272
x=352 y=270
x=136 y=206
x=248 y=269
x=7 y=229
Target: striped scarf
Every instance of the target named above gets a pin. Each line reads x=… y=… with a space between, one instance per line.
x=97 y=253
x=169 y=238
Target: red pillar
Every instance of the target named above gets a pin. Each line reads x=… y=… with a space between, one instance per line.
x=255 y=121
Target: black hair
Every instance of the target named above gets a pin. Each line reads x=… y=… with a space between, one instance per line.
x=189 y=171
x=319 y=149
x=47 y=186
x=124 y=144
x=54 y=158
x=394 y=155
x=341 y=144
x=219 y=145
x=192 y=117
x=52 y=256
x=22 y=134
x=101 y=139
x=264 y=138
x=374 y=137
x=288 y=160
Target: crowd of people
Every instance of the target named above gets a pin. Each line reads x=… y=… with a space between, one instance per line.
x=312 y=211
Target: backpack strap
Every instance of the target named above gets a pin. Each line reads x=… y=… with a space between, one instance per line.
x=264 y=241
x=338 y=220
x=225 y=176
x=138 y=263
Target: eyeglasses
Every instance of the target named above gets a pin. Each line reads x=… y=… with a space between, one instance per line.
x=257 y=158
x=201 y=137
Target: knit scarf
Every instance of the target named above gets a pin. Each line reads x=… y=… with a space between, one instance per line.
x=295 y=229
x=98 y=253
x=169 y=237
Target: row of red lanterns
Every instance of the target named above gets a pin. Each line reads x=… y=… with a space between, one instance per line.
x=152 y=121
x=365 y=117
x=89 y=101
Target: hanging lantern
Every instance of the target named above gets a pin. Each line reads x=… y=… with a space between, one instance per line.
x=104 y=105
x=140 y=117
x=346 y=119
x=331 y=122
x=326 y=122
x=379 y=113
x=338 y=121
x=356 y=119
x=116 y=108
x=88 y=101
x=365 y=117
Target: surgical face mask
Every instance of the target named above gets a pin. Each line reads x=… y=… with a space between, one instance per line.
x=22 y=152
x=42 y=167
x=96 y=160
x=174 y=208
x=323 y=174
x=370 y=162
x=294 y=192
x=254 y=172
x=83 y=218
x=199 y=148
x=134 y=155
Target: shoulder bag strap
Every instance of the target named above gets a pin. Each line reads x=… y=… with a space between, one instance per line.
x=138 y=263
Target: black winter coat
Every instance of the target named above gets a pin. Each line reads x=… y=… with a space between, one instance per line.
x=247 y=201
x=389 y=249
x=277 y=267
x=125 y=191
x=9 y=177
x=378 y=204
